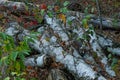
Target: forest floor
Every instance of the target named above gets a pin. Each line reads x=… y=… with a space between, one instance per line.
x=109 y=8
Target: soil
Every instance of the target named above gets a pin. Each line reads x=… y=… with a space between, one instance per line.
x=109 y=8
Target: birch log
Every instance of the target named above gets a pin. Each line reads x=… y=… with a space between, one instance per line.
x=75 y=63
x=20 y=6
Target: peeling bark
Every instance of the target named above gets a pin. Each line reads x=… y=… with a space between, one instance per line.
x=20 y=6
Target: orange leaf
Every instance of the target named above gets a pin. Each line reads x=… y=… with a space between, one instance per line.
x=62 y=17
x=53 y=65
x=56 y=8
x=1 y=15
x=29 y=67
x=26 y=25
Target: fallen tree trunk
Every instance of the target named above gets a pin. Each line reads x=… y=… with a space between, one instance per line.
x=75 y=63
x=107 y=23
x=11 y=5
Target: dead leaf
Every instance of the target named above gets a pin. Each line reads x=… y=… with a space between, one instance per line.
x=1 y=15
x=47 y=39
x=62 y=17
x=56 y=8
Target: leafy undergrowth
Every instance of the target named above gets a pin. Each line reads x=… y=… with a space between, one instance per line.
x=12 y=52
x=109 y=8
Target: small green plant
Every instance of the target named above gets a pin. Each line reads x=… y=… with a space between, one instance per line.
x=13 y=55
x=113 y=60
x=64 y=9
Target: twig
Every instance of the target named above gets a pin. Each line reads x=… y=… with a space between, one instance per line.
x=99 y=13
